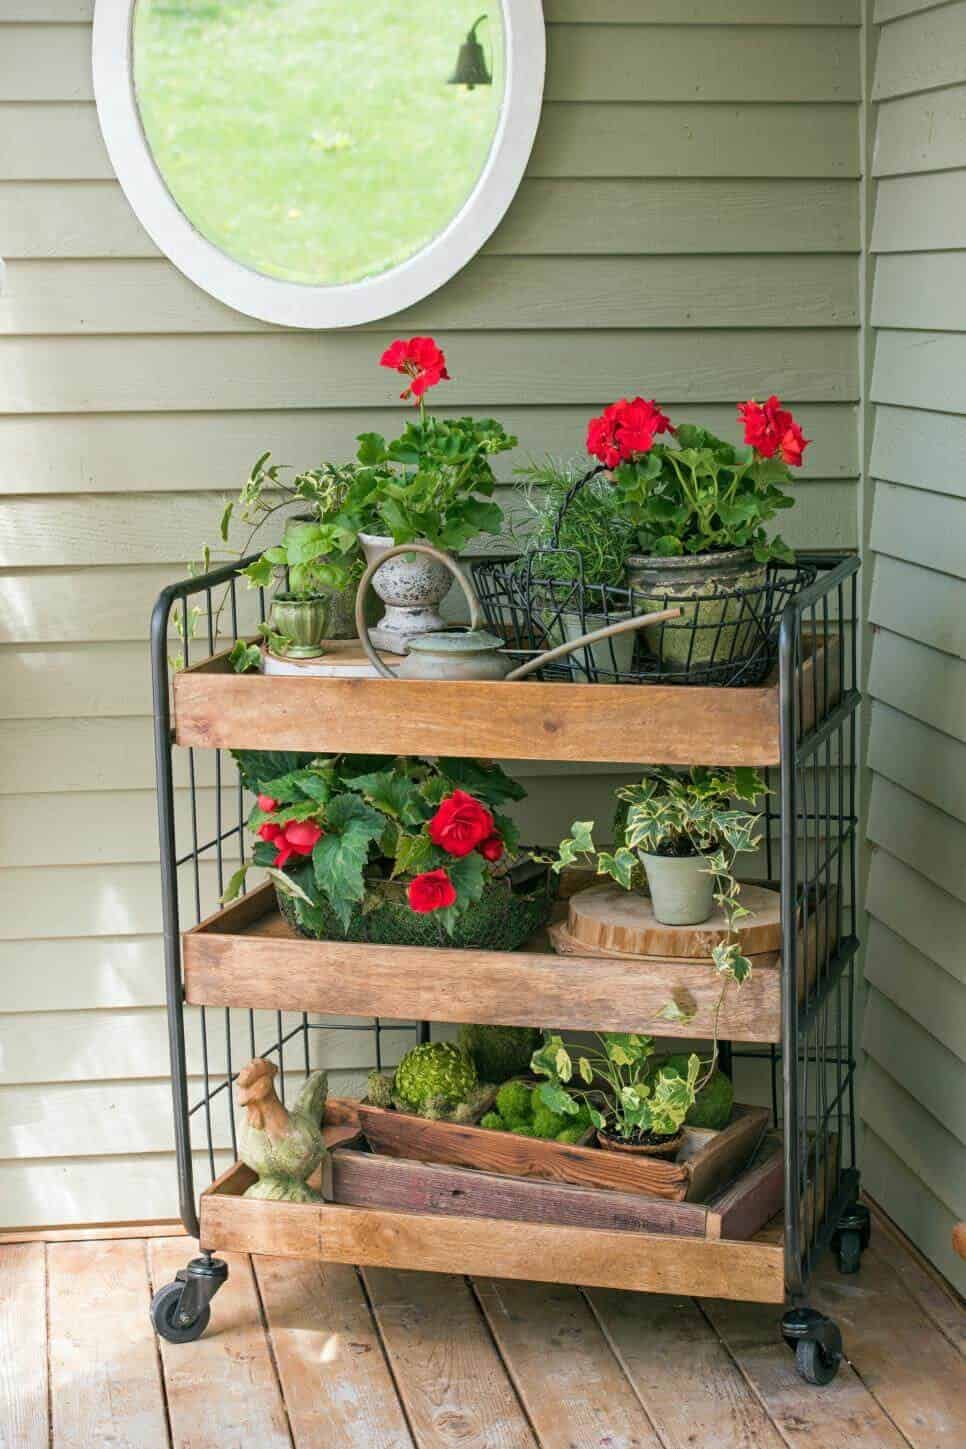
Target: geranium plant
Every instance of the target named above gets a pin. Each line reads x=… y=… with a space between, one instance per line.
x=343 y=831
x=615 y=1080
x=435 y=481
x=674 y=813
x=687 y=491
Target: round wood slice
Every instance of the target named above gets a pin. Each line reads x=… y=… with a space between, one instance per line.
x=607 y=918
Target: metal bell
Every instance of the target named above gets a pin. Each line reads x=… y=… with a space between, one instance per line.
x=471 y=63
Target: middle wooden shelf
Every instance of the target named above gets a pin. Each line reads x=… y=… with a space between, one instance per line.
x=247 y=956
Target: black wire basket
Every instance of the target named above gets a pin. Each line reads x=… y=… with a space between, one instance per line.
x=726 y=634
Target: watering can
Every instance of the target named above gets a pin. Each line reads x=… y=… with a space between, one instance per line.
x=471 y=653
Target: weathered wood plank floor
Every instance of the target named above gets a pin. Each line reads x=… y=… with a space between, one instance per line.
x=303 y=1356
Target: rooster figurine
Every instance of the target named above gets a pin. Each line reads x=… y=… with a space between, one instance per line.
x=283 y=1147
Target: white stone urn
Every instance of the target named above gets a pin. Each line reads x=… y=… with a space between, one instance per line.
x=412 y=586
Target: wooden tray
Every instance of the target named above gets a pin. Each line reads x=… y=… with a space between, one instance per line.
x=246 y=956
x=709 y=1159
x=525 y=720
x=359 y=1178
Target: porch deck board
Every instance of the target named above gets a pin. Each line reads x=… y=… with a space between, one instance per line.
x=306 y=1355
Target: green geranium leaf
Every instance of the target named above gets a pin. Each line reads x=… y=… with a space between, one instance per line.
x=468 y=874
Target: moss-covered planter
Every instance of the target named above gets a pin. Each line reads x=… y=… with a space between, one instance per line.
x=722 y=598
x=501 y=920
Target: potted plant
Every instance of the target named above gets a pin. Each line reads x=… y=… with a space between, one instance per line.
x=393 y=850
x=308 y=570
x=577 y=541
x=685 y=829
x=433 y=484
x=699 y=506
x=633 y=1108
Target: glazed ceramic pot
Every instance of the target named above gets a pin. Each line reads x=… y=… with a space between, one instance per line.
x=412 y=587
x=303 y=621
x=718 y=623
x=682 y=888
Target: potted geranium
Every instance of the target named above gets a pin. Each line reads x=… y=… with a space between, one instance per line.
x=685 y=829
x=633 y=1107
x=393 y=851
x=699 y=506
x=433 y=484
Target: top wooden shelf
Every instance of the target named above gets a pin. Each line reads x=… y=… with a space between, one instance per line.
x=215 y=708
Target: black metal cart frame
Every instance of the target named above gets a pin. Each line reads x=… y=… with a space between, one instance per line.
x=809 y=850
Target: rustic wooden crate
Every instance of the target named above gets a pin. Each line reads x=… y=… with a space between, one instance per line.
x=711 y=1160
x=360 y=1178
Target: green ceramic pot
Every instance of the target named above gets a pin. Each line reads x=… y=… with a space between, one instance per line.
x=682 y=888
x=717 y=625
x=341 y=622
x=303 y=621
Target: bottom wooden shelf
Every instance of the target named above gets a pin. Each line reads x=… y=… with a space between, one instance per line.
x=751 y=1271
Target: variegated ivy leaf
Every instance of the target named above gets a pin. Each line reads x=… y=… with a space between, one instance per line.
x=630 y=1097
x=585 y=1069
x=557 y=1099
x=579 y=842
x=620 y=866
x=671 y=1011
x=563 y=1064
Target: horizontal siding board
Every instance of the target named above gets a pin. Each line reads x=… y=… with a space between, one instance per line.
x=46 y=10
x=920 y=369
x=84 y=1046
x=795 y=63
x=915 y=908
x=934 y=1154
x=930 y=1073
x=921 y=133
x=919 y=604
x=86 y=974
x=105 y=1189
x=924 y=837
x=152 y=452
x=86 y=681
x=566 y=218
x=919 y=448
x=93 y=374
x=921 y=52
x=928 y=764
x=919 y=681
x=924 y=528
x=491 y=293
x=51 y=531
x=917 y=1211
x=923 y=290
x=920 y=213
x=694 y=138
x=918 y=987
x=43 y=143
x=886 y=10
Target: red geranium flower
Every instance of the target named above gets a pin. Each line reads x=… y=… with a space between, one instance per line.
x=419 y=359
x=267 y=804
x=298 y=837
x=431 y=891
x=771 y=429
x=460 y=824
x=268 y=831
x=626 y=428
x=491 y=848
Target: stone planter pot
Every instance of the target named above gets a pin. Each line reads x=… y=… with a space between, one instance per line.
x=682 y=891
x=303 y=621
x=602 y=660
x=412 y=588
x=712 y=630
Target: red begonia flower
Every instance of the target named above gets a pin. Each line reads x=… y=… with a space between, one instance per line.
x=460 y=824
x=267 y=804
x=491 y=848
x=431 y=891
x=298 y=837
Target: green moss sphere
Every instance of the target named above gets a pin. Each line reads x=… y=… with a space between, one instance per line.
x=435 y=1069
x=493 y=1121
x=572 y=1134
x=513 y=1102
x=547 y=1123
x=715 y=1100
x=500 y=1052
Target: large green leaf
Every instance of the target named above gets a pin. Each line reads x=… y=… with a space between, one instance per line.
x=340 y=857
x=488 y=783
x=395 y=795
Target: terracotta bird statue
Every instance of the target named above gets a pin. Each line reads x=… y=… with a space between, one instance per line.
x=284 y=1147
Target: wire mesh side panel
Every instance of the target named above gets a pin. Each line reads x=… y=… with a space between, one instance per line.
x=202 y=809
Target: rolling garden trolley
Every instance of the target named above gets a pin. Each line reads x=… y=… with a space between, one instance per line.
x=238 y=985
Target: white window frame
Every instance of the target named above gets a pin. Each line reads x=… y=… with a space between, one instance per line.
x=296 y=304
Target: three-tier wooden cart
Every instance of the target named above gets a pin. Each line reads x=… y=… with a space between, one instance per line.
x=239 y=984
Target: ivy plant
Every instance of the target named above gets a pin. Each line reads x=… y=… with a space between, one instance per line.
x=614 y=1077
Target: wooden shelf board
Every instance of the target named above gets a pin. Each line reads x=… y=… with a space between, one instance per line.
x=646 y=1262
x=246 y=956
x=527 y=720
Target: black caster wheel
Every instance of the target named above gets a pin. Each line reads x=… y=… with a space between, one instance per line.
x=166 y=1316
x=849 y=1251
x=814 y=1365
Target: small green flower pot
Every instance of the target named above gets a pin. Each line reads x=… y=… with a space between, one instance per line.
x=682 y=888
x=303 y=621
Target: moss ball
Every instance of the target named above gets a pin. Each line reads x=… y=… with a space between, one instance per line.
x=572 y=1134
x=493 y=1121
x=513 y=1102
x=714 y=1102
x=437 y=1071
x=522 y=1129
x=500 y=1052
x=547 y=1123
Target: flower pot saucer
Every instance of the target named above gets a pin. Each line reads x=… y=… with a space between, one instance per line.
x=343 y=659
